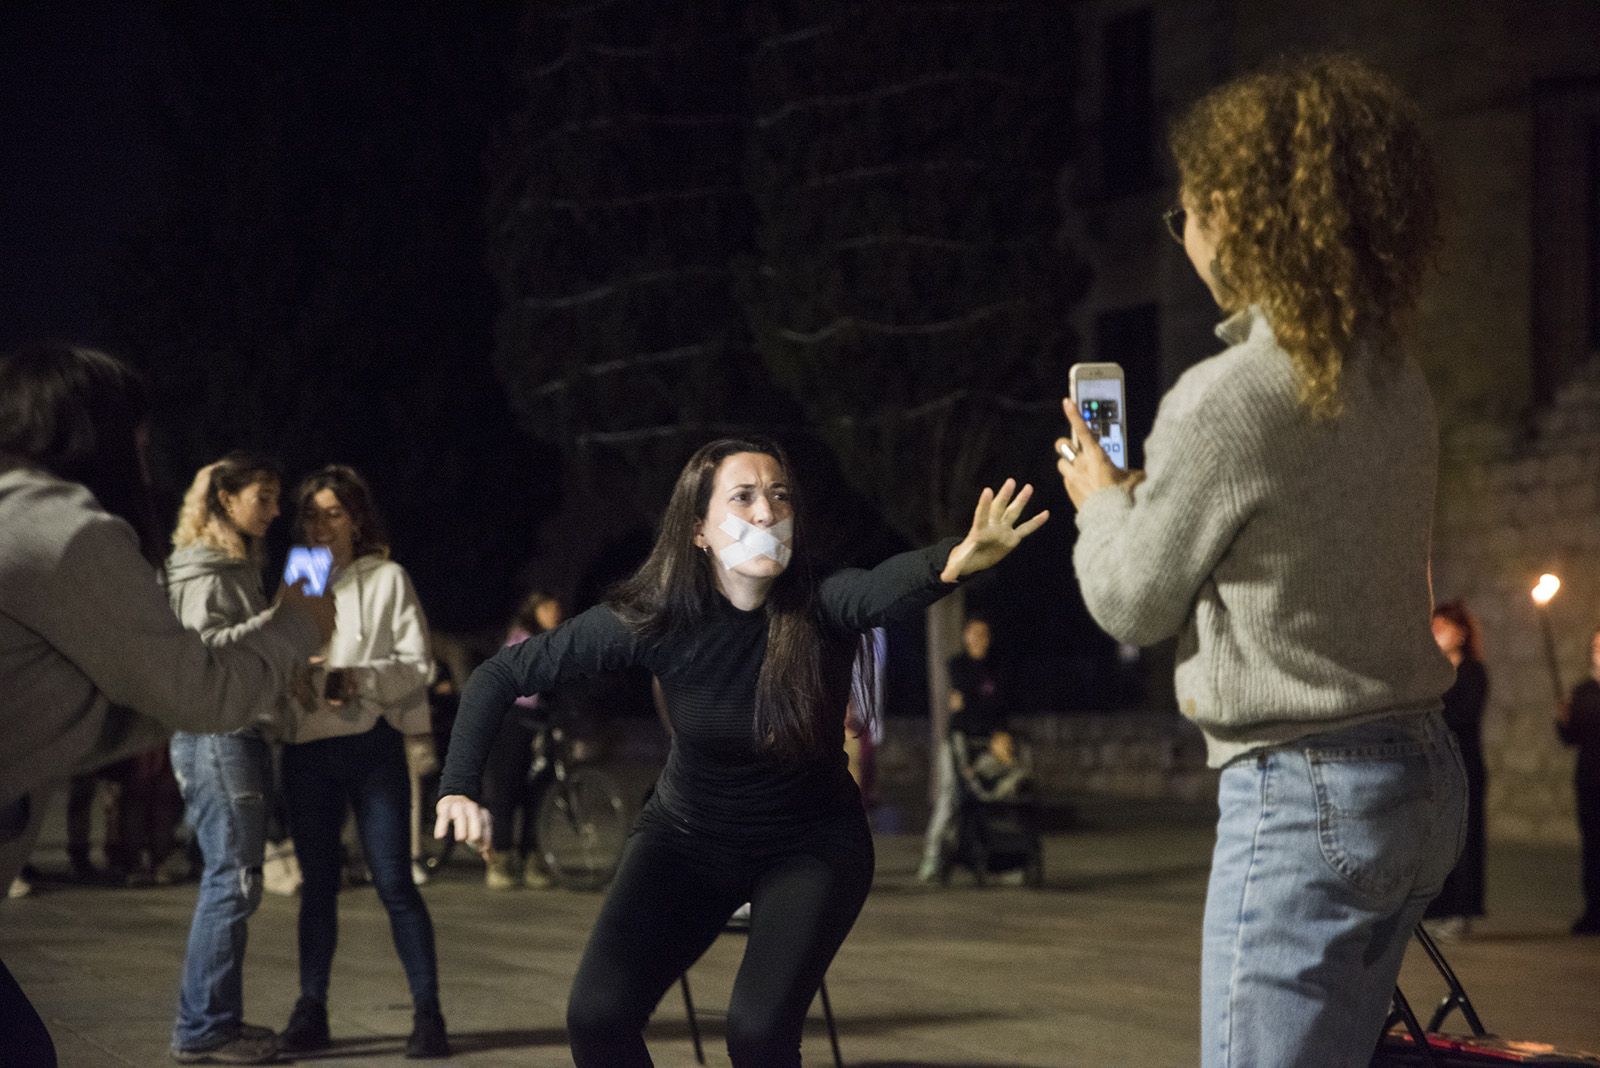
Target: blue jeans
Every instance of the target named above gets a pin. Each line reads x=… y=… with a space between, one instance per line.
x=224 y=779
x=1328 y=850
x=368 y=772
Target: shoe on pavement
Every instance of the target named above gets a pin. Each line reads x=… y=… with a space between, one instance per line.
x=252 y=1045
x=534 y=877
x=419 y=873
x=1586 y=924
x=308 y=1028
x=427 y=1036
x=500 y=872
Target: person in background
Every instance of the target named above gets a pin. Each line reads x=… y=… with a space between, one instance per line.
x=93 y=661
x=1578 y=724
x=977 y=710
x=213 y=580
x=1460 y=902
x=755 y=657
x=1281 y=532
x=513 y=859
x=367 y=696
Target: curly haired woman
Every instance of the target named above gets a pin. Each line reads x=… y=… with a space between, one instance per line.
x=1281 y=531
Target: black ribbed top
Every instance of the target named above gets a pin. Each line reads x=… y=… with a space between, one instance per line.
x=716 y=780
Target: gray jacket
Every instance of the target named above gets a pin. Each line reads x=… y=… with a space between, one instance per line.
x=215 y=595
x=84 y=626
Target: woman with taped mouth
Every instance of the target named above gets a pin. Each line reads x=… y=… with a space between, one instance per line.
x=755 y=804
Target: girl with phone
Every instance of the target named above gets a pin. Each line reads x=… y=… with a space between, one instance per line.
x=368 y=697
x=94 y=661
x=754 y=655
x=1280 y=531
x=213 y=580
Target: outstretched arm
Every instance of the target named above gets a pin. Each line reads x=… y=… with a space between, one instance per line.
x=858 y=600
x=994 y=532
x=585 y=645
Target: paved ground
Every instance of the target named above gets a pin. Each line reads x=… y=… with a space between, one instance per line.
x=1098 y=968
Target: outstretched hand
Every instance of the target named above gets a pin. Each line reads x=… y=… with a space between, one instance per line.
x=995 y=531
x=462 y=818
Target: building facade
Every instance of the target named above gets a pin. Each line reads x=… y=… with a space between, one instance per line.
x=1509 y=331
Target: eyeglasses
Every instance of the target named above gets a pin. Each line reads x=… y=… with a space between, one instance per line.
x=1175 y=218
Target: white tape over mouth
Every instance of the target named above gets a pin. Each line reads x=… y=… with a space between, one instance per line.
x=751 y=541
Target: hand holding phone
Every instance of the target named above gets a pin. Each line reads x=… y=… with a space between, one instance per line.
x=311 y=564
x=1097 y=393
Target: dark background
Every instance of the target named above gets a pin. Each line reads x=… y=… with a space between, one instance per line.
x=514 y=262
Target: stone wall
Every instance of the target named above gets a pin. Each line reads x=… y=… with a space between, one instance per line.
x=1532 y=509
x=1142 y=756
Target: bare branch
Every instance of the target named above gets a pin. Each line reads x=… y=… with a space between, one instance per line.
x=648 y=359
x=576 y=206
x=943 y=326
x=610 y=289
x=884 y=92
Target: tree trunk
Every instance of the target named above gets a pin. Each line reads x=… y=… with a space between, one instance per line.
x=944 y=619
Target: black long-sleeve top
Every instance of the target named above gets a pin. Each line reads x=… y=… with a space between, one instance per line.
x=1464 y=703
x=716 y=781
x=1582 y=728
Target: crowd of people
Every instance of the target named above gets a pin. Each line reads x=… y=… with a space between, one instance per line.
x=1279 y=531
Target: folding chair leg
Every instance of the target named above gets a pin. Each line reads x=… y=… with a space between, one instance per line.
x=833 y=1032
x=694 y=1024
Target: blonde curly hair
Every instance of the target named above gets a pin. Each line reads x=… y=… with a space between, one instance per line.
x=201 y=516
x=1327 y=189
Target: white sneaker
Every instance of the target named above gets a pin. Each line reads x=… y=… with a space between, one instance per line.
x=20 y=887
x=419 y=873
x=280 y=870
x=741 y=916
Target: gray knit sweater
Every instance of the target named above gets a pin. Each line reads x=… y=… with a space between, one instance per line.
x=84 y=626
x=1290 y=557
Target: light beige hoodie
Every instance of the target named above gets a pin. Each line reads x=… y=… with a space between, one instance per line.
x=381 y=643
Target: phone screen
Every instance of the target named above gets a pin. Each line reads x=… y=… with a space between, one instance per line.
x=1100 y=404
x=312 y=563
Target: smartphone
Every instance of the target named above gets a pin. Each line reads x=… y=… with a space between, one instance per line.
x=333 y=686
x=1097 y=391
x=310 y=562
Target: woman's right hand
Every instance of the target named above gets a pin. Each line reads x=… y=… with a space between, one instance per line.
x=320 y=609
x=459 y=816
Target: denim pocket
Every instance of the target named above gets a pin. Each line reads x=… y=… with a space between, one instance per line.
x=1373 y=807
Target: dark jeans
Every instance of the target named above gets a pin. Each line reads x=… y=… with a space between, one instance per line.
x=1588 y=796
x=671 y=898
x=368 y=772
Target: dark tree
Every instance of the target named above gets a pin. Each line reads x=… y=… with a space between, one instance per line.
x=618 y=210
x=908 y=287
x=314 y=284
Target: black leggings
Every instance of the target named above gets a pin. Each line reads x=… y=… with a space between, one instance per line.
x=672 y=895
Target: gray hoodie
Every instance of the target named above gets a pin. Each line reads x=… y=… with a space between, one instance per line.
x=216 y=595
x=84 y=626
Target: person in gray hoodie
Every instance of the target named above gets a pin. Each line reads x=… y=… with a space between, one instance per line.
x=214 y=584
x=94 y=665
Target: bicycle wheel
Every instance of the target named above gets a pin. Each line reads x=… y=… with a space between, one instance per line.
x=582 y=827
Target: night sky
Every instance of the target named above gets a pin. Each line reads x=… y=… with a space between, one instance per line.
x=279 y=214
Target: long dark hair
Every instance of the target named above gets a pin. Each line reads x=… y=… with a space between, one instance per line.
x=79 y=414
x=805 y=679
x=355 y=497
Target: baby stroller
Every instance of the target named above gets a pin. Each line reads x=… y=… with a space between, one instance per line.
x=997 y=814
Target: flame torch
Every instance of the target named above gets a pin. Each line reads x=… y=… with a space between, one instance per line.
x=1542 y=592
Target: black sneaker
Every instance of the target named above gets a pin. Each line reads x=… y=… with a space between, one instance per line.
x=427 y=1036
x=308 y=1028
x=1587 y=924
